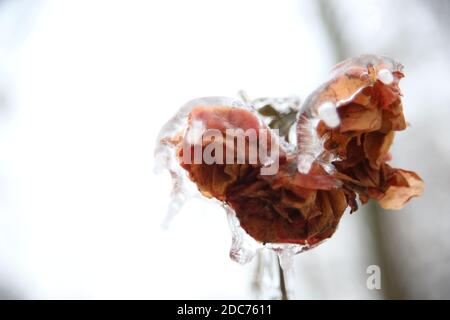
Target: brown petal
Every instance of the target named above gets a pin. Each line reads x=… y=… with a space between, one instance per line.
x=355 y=117
x=376 y=146
x=402 y=186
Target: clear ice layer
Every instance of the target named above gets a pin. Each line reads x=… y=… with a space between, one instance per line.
x=243 y=247
x=322 y=104
x=166 y=147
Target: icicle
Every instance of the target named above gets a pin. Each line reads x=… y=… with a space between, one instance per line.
x=274 y=275
x=243 y=247
x=266 y=281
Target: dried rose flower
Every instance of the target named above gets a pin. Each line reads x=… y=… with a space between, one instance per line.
x=368 y=122
x=344 y=134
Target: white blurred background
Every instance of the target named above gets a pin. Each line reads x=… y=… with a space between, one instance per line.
x=85 y=87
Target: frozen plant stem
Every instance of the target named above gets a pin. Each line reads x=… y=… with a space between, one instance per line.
x=270 y=281
x=283 y=291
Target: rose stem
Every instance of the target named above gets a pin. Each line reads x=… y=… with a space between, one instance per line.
x=284 y=295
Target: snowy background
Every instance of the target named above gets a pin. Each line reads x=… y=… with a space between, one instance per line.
x=85 y=87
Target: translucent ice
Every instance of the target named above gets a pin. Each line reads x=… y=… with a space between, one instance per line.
x=176 y=130
x=328 y=113
x=243 y=247
x=169 y=138
x=385 y=76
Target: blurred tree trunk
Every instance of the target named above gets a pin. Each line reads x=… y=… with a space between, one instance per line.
x=370 y=211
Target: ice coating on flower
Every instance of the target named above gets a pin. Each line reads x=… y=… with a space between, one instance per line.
x=365 y=91
x=344 y=132
x=186 y=129
x=348 y=79
x=284 y=207
x=243 y=247
x=385 y=76
x=327 y=113
x=167 y=143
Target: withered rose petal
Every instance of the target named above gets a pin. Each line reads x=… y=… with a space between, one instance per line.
x=324 y=221
x=364 y=98
x=387 y=94
x=365 y=176
x=355 y=117
x=393 y=118
x=293 y=200
x=376 y=147
x=223 y=117
x=298 y=214
x=402 y=186
x=338 y=202
x=212 y=181
x=335 y=142
x=317 y=179
x=353 y=155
